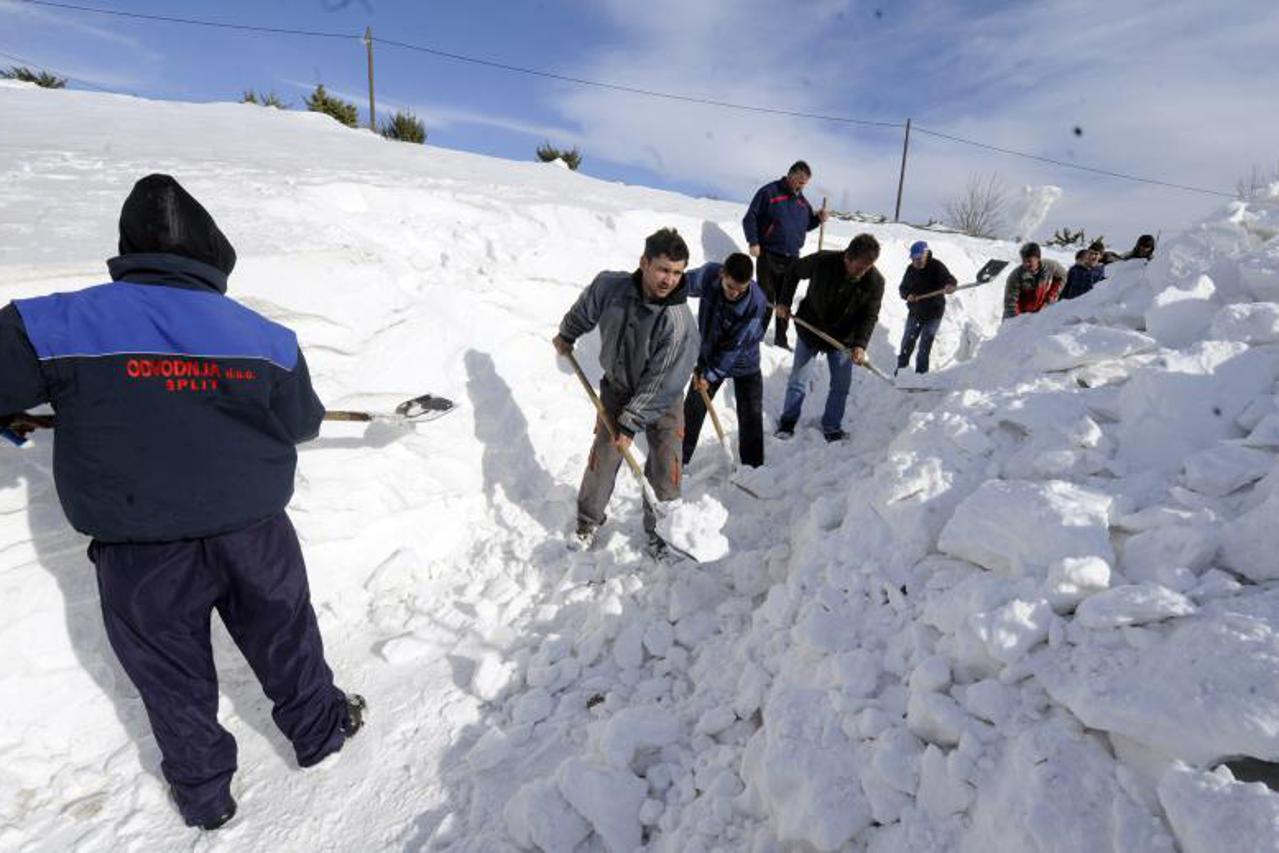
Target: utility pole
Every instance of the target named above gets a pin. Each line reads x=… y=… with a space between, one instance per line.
x=372 y=113
x=901 y=180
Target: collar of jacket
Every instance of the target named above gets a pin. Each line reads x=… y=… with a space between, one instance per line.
x=784 y=187
x=678 y=296
x=168 y=271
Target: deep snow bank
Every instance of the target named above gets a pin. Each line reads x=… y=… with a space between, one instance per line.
x=1030 y=609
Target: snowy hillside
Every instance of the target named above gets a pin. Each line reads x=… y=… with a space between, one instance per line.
x=1032 y=607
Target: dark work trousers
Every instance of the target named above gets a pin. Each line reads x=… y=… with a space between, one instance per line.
x=923 y=330
x=749 y=394
x=157 y=600
x=770 y=272
x=662 y=467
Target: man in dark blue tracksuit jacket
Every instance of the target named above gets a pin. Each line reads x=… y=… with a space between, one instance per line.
x=776 y=224
x=731 y=316
x=177 y=414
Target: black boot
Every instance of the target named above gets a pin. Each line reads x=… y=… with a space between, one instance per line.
x=355 y=708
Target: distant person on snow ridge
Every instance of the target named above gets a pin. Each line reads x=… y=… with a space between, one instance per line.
x=732 y=314
x=1033 y=285
x=844 y=294
x=1085 y=273
x=177 y=415
x=1143 y=250
x=648 y=346
x=1104 y=255
x=776 y=225
x=924 y=275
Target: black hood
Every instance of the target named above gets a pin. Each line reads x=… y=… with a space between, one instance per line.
x=159 y=217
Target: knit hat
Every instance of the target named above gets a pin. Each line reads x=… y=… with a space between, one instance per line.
x=918 y=248
x=160 y=216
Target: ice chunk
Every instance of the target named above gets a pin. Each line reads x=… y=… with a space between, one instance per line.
x=1019 y=527
x=695 y=527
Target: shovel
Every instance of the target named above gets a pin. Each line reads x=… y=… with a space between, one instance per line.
x=731 y=469
x=661 y=509
x=985 y=274
x=418 y=410
x=839 y=346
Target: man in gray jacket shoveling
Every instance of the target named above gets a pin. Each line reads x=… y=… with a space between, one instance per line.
x=648 y=346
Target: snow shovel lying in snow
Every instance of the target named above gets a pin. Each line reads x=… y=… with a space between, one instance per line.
x=421 y=409
x=674 y=517
x=729 y=459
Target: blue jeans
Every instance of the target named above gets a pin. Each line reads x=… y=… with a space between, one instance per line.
x=841 y=377
x=924 y=331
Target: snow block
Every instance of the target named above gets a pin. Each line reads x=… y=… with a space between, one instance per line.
x=1219 y=470
x=1250 y=322
x=1212 y=813
x=1206 y=690
x=1086 y=344
x=802 y=773
x=1018 y=527
x=1132 y=604
x=1250 y=543
x=609 y=799
x=1179 y=317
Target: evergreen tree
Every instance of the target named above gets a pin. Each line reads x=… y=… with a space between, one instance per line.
x=321 y=101
x=40 y=78
x=404 y=127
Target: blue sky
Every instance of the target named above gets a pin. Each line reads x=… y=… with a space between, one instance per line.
x=1177 y=90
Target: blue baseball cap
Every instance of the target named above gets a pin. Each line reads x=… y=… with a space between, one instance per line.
x=918 y=248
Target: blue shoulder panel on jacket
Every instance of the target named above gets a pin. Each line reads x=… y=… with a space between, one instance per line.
x=124 y=318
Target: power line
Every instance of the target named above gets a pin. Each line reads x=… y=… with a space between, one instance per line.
x=651 y=93
x=29 y=64
x=457 y=57
x=634 y=90
x=1069 y=165
x=191 y=21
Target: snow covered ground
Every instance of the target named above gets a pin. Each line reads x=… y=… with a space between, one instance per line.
x=1033 y=607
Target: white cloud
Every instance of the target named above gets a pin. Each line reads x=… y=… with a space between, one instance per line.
x=69 y=20
x=1167 y=89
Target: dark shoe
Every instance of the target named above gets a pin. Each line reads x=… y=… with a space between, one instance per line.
x=583 y=538
x=659 y=550
x=784 y=432
x=355 y=708
x=217 y=822
x=837 y=435
x=221 y=820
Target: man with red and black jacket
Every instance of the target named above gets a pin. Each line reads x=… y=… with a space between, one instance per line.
x=1033 y=285
x=177 y=414
x=776 y=224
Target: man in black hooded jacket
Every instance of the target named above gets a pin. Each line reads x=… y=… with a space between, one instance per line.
x=177 y=415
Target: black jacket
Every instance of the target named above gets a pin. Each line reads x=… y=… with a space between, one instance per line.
x=177 y=408
x=934 y=276
x=846 y=310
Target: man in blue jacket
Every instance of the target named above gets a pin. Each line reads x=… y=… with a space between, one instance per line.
x=177 y=414
x=731 y=317
x=1086 y=272
x=776 y=223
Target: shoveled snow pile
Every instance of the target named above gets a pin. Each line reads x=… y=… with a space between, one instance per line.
x=1032 y=608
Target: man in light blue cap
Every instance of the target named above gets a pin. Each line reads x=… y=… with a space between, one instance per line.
x=924 y=287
